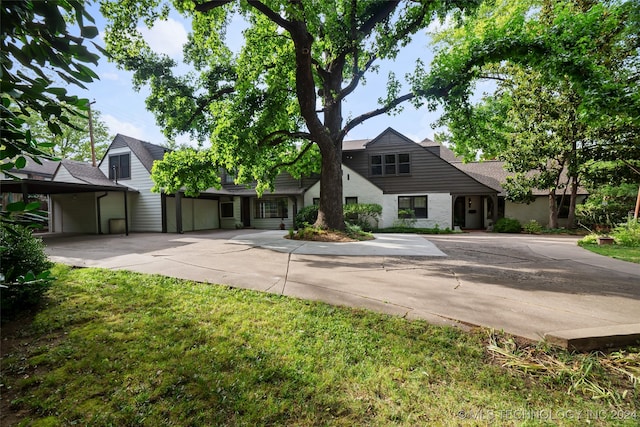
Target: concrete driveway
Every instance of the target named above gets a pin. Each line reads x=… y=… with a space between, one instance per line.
x=524 y=285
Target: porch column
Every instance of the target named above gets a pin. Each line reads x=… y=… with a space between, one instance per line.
x=126 y=214
x=179 y=213
x=163 y=206
x=494 y=199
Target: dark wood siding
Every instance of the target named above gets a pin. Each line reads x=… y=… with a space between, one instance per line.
x=429 y=173
x=283 y=181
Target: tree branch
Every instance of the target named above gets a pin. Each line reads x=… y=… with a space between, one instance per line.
x=209 y=5
x=358 y=74
x=358 y=120
x=271 y=14
x=298 y=157
x=277 y=137
x=204 y=103
x=256 y=4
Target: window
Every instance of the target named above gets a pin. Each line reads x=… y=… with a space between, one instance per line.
x=417 y=204
x=390 y=164
x=230 y=177
x=376 y=165
x=350 y=200
x=226 y=209
x=316 y=201
x=120 y=166
x=272 y=208
x=404 y=163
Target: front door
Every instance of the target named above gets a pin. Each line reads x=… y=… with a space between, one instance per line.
x=458 y=212
x=246 y=211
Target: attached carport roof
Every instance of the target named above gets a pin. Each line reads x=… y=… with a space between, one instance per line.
x=35 y=186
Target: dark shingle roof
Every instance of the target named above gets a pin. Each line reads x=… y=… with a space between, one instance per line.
x=46 y=170
x=493 y=174
x=355 y=145
x=86 y=173
x=146 y=152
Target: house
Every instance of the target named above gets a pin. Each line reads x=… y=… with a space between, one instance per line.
x=493 y=174
x=390 y=170
x=400 y=174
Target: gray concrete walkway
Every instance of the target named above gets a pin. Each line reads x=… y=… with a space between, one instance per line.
x=525 y=285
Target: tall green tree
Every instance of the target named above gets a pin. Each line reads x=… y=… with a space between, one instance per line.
x=568 y=96
x=74 y=141
x=278 y=102
x=40 y=46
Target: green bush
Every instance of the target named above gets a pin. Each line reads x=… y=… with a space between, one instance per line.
x=307 y=216
x=364 y=215
x=589 y=239
x=607 y=206
x=532 y=227
x=24 y=268
x=627 y=234
x=406 y=219
x=507 y=225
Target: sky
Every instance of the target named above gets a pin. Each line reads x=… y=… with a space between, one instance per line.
x=124 y=111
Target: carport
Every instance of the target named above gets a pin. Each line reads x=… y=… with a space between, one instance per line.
x=49 y=188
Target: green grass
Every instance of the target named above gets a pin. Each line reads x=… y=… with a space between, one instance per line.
x=120 y=348
x=631 y=254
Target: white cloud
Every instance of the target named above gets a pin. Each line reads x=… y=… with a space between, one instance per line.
x=166 y=37
x=116 y=125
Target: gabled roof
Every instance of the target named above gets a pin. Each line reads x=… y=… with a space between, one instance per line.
x=490 y=173
x=85 y=172
x=493 y=174
x=388 y=131
x=441 y=150
x=146 y=152
x=355 y=145
x=46 y=170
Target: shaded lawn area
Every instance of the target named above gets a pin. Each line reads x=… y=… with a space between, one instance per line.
x=625 y=253
x=121 y=348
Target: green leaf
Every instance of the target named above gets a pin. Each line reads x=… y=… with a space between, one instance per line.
x=16 y=207
x=89 y=32
x=20 y=162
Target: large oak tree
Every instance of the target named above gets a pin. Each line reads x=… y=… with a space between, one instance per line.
x=277 y=103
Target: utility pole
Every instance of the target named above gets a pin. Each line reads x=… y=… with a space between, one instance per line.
x=93 y=145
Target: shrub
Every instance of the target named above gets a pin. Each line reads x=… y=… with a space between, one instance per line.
x=532 y=227
x=360 y=214
x=406 y=218
x=627 y=234
x=24 y=268
x=607 y=206
x=307 y=216
x=589 y=239
x=364 y=215
x=507 y=225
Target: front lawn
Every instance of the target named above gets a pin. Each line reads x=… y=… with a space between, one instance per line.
x=625 y=253
x=120 y=348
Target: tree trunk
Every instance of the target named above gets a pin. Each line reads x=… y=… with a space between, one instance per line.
x=553 y=210
x=330 y=212
x=571 y=219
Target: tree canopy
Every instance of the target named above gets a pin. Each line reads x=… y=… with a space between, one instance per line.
x=38 y=49
x=73 y=142
x=566 y=99
x=278 y=102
